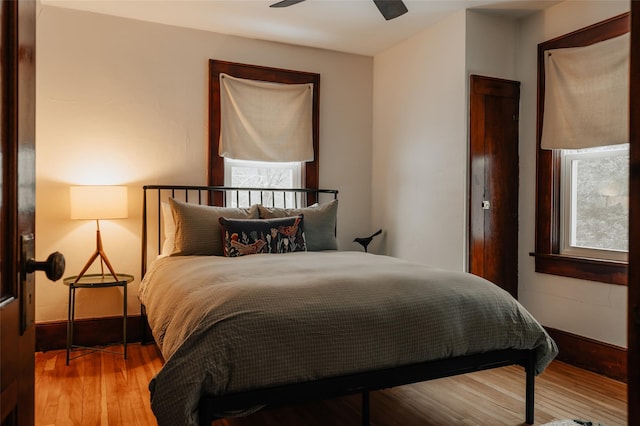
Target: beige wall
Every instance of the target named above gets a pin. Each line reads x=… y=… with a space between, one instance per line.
x=420 y=137
x=420 y=142
x=420 y=146
x=125 y=102
x=491 y=45
x=585 y=308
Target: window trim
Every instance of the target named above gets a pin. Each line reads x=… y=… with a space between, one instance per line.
x=548 y=259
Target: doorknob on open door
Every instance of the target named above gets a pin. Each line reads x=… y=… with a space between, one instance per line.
x=53 y=266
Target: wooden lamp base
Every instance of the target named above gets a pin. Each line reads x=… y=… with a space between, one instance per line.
x=104 y=260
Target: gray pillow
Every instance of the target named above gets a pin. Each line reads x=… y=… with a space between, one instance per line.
x=198 y=231
x=319 y=223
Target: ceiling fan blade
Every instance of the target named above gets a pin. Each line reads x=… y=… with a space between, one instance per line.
x=391 y=8
x=285 y=3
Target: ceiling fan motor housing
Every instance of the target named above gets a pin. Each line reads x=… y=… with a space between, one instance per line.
x=390 y=9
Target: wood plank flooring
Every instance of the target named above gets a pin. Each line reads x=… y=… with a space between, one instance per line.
x=103 y=389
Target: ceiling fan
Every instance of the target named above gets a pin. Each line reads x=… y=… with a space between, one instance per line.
x=389 y=8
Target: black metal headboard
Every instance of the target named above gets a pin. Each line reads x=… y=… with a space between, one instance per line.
x=154 y=195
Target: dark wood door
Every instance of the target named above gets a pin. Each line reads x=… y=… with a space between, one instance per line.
x=17 y=209
x=493 y=198
x=633 y=329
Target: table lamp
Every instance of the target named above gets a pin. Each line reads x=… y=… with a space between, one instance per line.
x=98 y=202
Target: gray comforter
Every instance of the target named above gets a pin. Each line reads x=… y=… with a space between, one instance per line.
x=232 y=324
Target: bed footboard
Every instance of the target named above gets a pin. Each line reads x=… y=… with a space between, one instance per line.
x=370 y=381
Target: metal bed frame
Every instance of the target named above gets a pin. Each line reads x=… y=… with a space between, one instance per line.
x=333 y=387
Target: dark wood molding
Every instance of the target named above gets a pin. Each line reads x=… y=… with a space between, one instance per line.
x=255 y=72
x=607 y=271
x=599 y=357
x=633 y=311
x=602 y=358
x=88 y=332
x=548 y=173
x=493 y=177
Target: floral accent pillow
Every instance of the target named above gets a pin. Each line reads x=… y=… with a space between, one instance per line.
x=241 y=237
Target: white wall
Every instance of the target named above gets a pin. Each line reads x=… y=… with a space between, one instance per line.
x=420 y=154
x=585 y=308
x=420 y=146
x=420 y=137
x=125 y=102
x=491 y=45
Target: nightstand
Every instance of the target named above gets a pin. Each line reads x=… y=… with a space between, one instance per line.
x=89 y=281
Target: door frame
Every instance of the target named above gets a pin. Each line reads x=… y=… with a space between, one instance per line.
x=479 y=88
x=17 y=116
x=633 y=286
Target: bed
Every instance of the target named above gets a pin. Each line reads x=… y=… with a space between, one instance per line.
x=241 y=331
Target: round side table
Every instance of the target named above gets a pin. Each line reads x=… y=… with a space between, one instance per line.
x=89 y=281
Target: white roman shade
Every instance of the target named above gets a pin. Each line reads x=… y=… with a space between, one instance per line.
x=586 y=101
x=263 y=121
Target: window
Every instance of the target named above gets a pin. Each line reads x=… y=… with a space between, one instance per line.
x=216 y=169
x=576 y=208
x=595 y=202
x=259 y=174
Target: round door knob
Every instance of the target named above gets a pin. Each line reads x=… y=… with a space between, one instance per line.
x=53 y=266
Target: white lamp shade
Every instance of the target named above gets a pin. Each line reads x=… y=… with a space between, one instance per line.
x=98 y=202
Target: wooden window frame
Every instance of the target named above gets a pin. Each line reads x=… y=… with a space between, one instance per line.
x=274 y=75
x=548 y=259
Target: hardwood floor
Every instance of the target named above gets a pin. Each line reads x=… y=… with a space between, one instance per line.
x=96 y=389
x=104 y=389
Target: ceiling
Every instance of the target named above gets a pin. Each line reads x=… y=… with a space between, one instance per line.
x=352 y=26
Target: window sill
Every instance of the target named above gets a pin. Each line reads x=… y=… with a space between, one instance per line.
x=606 y=271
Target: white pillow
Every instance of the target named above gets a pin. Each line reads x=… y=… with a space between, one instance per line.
x=169 y=230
